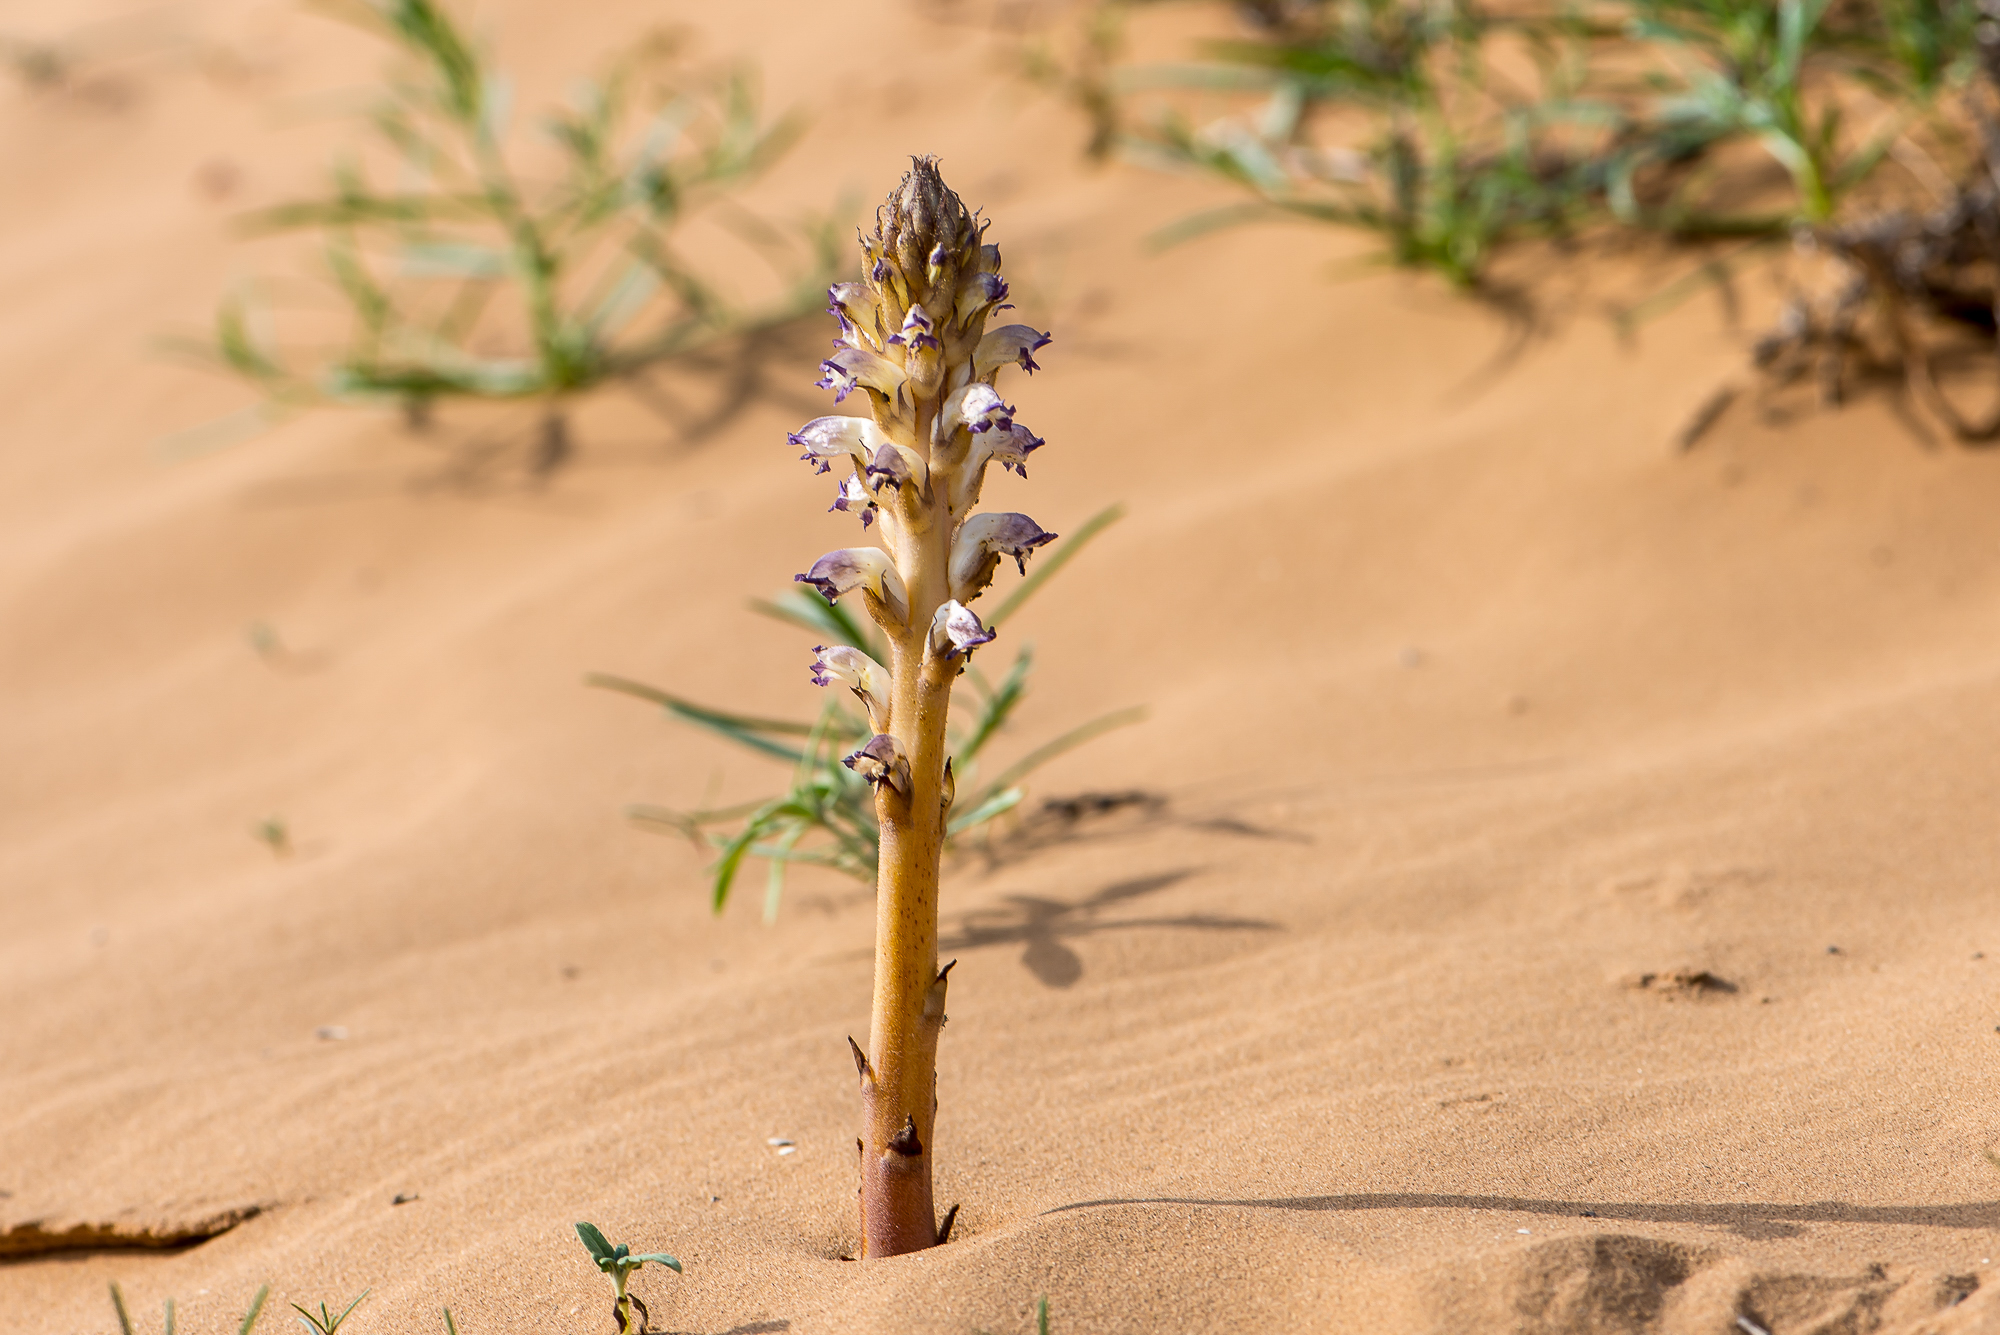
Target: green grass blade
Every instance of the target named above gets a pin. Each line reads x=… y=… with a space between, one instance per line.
x=742 y=729
x=819 y=616
x=256 y=1310
x=774 y=881
x=1057 y=558
x=118 y=1305
x=998 y=706
x=450 y=1326
x=994 y=805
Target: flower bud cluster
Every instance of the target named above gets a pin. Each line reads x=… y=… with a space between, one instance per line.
x=914 y=342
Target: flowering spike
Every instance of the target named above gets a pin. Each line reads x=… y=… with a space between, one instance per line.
x=913 y=334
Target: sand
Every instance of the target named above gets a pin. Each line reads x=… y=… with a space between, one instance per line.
x=1569 y=902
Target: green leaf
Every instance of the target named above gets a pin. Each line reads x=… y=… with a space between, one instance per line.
x=1075 y=737
x=817 y=615
x=594 y=1242
x=256 y=1310
x=986 y=810
x=999 y=704
x=660 y=1258
x=118 y=1305
x=1058 y=556
x=740 y=728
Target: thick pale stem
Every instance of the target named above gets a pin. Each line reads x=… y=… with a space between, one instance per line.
x=899 y=1079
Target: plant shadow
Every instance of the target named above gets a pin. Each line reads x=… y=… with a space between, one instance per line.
x=1749 y=1219
x=1042 y=926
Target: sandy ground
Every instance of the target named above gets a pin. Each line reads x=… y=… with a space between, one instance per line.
x=1571 y=906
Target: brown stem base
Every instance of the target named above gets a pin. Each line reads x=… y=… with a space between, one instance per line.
x=897 y=1211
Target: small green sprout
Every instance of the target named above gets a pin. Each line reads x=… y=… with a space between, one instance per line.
x=125 y=1318
x=326 y=1323
x=619 y=1262
x=274 y=834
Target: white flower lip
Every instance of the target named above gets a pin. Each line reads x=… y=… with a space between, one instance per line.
x=881 y=760
x=858 y=568
x=826 y=438
x=956 y=629
x=1010 y=343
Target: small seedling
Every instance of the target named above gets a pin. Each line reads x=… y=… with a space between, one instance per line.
x=620 y=1262
x=125 y=1319
x=326 y=1323
x=274 y=834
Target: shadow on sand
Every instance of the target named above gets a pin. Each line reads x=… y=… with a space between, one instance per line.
x=1042 y=925
x=1750 y=1219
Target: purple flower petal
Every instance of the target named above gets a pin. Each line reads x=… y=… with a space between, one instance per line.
x=956 y=630
x=881 y=760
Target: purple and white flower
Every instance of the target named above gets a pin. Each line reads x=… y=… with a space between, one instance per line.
x=980 y=544
x=858 y=366
x=896 y=466
x=859 y=568
x=978 y=294
x=976 y=407
x=868 y=679
x=1010 y=343
x=918 y=331
x=1009 y=448
x=853 y=498
x=882 y=760
x=825 y=438
x=956 y=630
x=853 y=304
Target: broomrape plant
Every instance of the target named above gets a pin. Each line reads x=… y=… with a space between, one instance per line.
x=914 y=340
